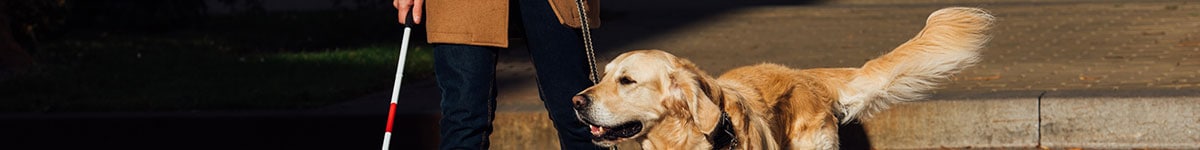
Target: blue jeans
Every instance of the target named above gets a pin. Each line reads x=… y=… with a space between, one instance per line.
x=466 y=74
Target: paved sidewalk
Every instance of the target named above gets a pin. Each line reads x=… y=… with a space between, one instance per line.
x=1061 y=46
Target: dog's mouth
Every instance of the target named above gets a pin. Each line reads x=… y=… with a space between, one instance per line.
x=616 y=133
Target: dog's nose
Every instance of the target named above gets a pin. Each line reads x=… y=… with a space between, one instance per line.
x=580 y=101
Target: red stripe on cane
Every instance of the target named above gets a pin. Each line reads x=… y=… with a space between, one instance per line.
x=391 y=116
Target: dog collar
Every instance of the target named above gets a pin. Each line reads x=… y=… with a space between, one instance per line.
x=722 y=136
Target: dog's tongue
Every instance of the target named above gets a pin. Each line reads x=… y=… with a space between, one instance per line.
x=597 y=131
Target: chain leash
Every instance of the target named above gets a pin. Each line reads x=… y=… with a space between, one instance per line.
x=587 y=42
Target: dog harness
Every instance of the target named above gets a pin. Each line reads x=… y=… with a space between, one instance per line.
x=722 y=137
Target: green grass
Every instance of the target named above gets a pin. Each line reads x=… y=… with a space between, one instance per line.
x=179 y=74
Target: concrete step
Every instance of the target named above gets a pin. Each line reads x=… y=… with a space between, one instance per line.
x=1062 y=122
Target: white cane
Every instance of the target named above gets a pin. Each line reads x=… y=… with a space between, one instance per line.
x=387 y=134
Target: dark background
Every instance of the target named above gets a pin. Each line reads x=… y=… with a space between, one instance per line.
x=202 y=74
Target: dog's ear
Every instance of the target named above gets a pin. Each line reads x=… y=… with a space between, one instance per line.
x=681 y=96
x=691 y=94
x=699 y=78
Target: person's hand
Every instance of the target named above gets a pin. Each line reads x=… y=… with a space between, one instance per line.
x=404 y=5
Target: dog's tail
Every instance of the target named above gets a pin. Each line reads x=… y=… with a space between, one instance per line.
x=950 y=41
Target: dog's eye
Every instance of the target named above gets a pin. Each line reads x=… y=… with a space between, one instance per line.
x=626 y=81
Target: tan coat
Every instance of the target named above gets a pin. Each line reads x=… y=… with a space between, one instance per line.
x=485 y=22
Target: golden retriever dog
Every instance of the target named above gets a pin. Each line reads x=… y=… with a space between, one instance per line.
x=666 y=102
